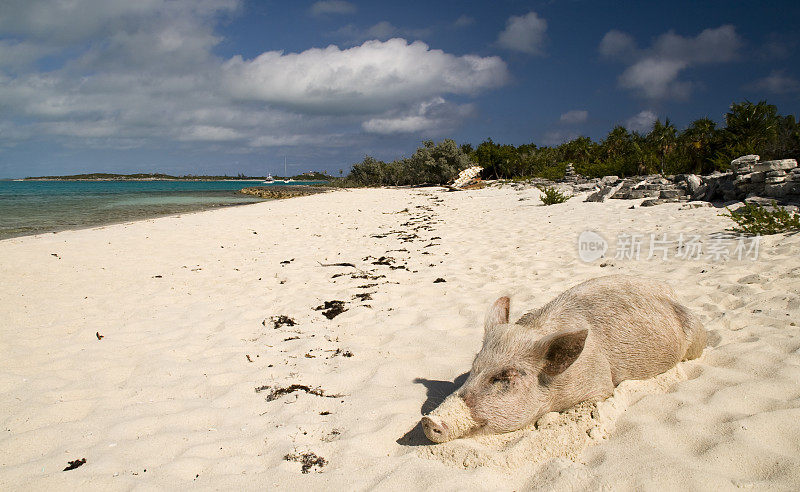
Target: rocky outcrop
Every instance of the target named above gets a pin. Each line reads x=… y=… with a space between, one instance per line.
x=278 y=192
x=651 y=186
x=749 y=179
x=604 y=193
x=777 y=179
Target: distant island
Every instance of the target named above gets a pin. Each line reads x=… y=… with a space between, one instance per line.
x=309 y=176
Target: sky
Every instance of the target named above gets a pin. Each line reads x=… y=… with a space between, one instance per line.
x=237 y=86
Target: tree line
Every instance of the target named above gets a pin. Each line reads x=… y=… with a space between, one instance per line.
x=700 y=148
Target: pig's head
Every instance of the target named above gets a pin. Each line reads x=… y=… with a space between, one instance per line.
x=515 y=379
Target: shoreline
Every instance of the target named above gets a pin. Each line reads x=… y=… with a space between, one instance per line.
x=141 y=219
x=266 y=193
x=159 y=345
x=131 y=179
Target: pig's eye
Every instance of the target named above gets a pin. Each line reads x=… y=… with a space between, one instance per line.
x=504 y=377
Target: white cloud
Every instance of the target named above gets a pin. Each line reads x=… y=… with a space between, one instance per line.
x=574 y=117
x=641 y=122
x=464 y=21
x=434 y=117
x=143 y=74
x=78 y=20
x=332 y=7
x=524 y=33
x=295 y=140
x=710 y=46
x=656 y=78
x=617 y=44
x=777 y=82
x=654 y=73
x=369 y=78
x=209 y=134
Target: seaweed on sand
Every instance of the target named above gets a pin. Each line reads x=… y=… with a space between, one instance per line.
x=308 y=460
x=331 y=309
x=277 y=392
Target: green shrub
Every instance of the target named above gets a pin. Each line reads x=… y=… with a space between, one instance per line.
x=431 y=164
x=755 y=219
x=555 y=172
x=553 y=195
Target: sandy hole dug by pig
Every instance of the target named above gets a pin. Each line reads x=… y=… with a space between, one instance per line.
x=555 y=435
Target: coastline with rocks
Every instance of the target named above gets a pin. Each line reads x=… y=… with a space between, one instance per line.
x=749 y=180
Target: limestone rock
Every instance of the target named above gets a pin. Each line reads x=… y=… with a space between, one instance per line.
x=744 y=164
x=628 y=194
x=778 y=190
x=750 y=159
x=776 y=179
x=651 y=202
x=604 y=193
x=759 y=200
x=776 y=173
x=671 y=194
x=609 y=180
x=701 y=193
x=693 y=183
x=779 y=165
x=579 y=187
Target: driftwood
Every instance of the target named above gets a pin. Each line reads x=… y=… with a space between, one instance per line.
x=337 y=265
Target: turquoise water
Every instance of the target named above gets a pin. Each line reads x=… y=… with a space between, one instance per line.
x=34 y=207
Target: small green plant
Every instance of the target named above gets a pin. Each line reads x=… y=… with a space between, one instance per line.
x=755 y=219
x=553 y=195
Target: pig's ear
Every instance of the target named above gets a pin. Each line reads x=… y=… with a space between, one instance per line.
x=561 y=350
x=498 y=314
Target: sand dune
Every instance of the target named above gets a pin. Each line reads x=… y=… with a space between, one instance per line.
x=192 y=383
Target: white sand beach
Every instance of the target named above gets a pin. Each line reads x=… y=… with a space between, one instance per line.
x=191 y=383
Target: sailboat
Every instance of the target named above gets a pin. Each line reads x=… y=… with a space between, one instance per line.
x=285 y=180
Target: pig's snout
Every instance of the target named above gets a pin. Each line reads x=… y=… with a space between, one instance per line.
x=451 y=420
x=435 y=429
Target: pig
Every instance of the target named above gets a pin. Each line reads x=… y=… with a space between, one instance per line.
x=576 y=348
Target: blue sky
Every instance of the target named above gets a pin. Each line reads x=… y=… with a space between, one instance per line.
x=229 y=86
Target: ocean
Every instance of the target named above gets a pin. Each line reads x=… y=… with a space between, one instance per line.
x=35 y=207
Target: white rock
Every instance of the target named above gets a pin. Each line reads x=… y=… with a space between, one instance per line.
x=745 y=159
x=779 y=165
x=693 y=183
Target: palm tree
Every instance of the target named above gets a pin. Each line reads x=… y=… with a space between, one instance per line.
x=662 y=137
x=752 y=125
x=698 y=143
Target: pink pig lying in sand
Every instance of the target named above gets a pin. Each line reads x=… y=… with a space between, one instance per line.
x=576 y=348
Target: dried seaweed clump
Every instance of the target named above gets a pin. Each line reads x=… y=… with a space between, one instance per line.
x=308 y=460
